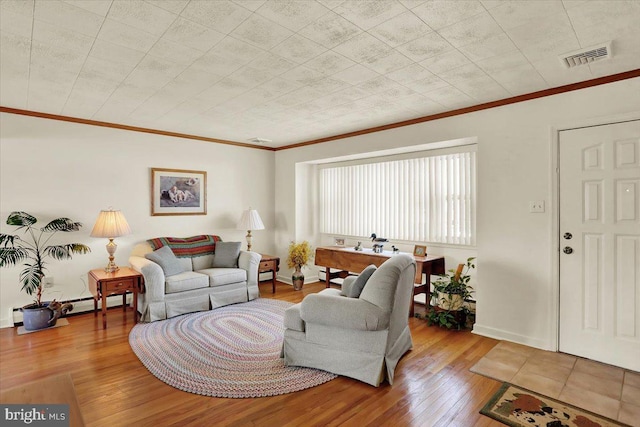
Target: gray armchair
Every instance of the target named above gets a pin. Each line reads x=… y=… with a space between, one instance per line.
x=363 y=337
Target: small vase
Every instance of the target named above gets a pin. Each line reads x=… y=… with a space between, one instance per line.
x=297 y=278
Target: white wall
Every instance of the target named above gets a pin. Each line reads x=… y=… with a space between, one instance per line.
x=517 y=250
x=53 y=169
x=56 y=169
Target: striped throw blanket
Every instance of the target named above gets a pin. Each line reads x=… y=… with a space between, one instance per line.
x=187 y=247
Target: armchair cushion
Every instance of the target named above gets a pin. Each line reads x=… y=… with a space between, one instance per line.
x=224 y=276
x=165 y=258
x=226 y=255
x=353 y=289
x=341 y=312
x=185 y=281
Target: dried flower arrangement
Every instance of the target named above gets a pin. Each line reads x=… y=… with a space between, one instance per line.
x=299 y=254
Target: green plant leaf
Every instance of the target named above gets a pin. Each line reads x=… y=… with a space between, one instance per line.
x=12 y=256
x=62 y=252
x=31 y=277
x=79 y=248
x=62 y=224
x=21 y=219
x=8 y=239
x=59 y=252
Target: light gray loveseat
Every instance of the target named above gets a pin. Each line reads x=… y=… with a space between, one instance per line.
x=361 y=334
x=199 y=281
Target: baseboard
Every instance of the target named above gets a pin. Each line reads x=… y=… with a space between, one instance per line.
x=80 y=306
x=288 y=281
x=500 y=334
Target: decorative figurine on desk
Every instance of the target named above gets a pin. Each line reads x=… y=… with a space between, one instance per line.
x=377 y=239
x=395 y=250
x=377 y=248
x=358 y=246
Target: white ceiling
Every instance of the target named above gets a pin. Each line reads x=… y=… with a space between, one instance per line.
x=293 y=71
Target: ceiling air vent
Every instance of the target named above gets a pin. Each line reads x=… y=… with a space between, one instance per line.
x=585 y=56
x=257 y=140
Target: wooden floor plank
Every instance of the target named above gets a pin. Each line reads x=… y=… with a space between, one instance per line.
x=433 y=385
x=56 y=389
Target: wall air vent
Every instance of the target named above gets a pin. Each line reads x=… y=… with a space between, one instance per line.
x=585 y=56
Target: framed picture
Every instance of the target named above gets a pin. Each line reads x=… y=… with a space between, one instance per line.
x=178 y=192
x=339 y=241
x=419 y=250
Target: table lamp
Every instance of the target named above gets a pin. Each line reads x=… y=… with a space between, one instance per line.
x=110 y=224
x=250 y=220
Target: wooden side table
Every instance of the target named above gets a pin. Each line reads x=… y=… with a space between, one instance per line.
x=270 y=263
x=103 y=284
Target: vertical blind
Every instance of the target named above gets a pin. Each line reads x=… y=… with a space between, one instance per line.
x=427 y=199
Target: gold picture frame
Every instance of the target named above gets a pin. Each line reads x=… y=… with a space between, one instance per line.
x=419 y=250
x=178 y=192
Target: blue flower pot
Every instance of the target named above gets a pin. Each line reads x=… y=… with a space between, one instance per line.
x=35 y=318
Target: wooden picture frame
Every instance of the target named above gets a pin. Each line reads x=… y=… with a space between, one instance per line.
x=178 y=192
x=419 y=250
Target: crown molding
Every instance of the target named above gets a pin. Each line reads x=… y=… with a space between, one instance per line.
x=493 y=104
x=129 y=128
x=485 y=106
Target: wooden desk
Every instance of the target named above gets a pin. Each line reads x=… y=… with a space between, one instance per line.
x=348 y=259
x=270 y=263
x=103 y=284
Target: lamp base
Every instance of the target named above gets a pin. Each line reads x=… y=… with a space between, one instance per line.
x=249 y=240
x=111 y=249
x=111 y=267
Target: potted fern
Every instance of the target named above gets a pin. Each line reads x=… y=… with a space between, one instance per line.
x=451 y=291
x=33 y=252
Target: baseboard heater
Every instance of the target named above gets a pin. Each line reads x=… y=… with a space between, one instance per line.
x=80 y=306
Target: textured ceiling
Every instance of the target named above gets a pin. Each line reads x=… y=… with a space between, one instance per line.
x=293 y=71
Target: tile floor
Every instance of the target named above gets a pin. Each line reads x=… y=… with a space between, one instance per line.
x=597 y=387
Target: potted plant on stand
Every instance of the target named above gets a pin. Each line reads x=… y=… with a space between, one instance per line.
x=33 y=252
x=450 y=293
x=299 y=256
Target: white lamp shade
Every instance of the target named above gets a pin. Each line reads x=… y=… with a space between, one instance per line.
x=110 y=224
x=250 y=220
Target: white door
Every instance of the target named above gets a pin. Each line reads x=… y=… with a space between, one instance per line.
x=600 y=243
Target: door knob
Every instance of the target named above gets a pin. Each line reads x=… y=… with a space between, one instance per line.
x=568 y=236
x=567 y=250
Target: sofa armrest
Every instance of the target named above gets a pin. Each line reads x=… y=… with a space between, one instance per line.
x=346 y=284
x=250 y=261
x=343 y=312
x=153 y=277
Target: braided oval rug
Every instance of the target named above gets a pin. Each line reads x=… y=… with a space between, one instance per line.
x=232 y=351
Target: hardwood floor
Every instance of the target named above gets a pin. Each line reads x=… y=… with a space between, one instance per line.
x=433 y=385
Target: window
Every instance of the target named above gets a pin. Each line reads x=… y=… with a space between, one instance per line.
x=426 y=199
